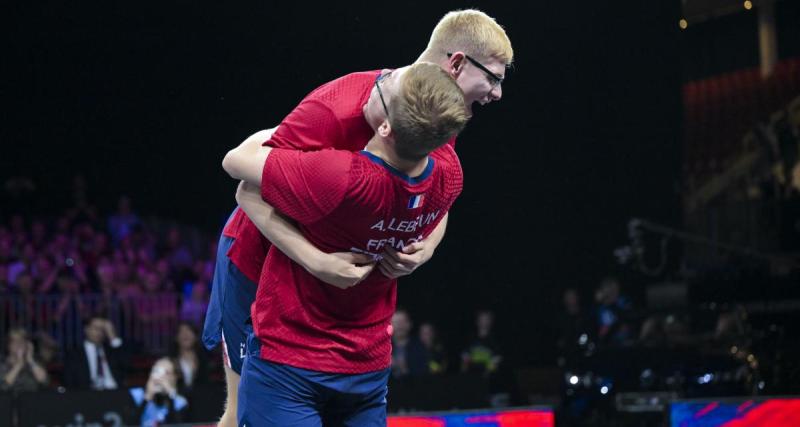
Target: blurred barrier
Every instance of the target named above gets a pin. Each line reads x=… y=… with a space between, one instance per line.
x=740 y=412
x=99 y=408
x=5 y=409
x=116 y=408
x=147 y=321
x=77 y=408
x=437 y=393
x=523 y=417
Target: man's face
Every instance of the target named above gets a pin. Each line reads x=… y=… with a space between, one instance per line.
x=401 y=325
x=94 y=331
x=477 y=85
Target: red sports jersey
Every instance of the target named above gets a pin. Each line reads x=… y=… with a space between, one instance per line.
x=329 y=117
x=343 y=201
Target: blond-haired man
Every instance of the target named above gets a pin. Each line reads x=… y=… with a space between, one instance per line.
x=337 y=115
x=320 y=355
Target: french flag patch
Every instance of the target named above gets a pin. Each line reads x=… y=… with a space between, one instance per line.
x=416 y=201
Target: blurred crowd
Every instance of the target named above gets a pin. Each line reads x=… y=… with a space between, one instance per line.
x=81 y=252
x=74 y=287
x=612 y=320
x=419 y=351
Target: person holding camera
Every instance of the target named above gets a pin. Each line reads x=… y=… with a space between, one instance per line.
x=159 y=402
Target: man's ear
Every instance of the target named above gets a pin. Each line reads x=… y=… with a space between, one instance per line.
x=385 y=129
x=455 y=63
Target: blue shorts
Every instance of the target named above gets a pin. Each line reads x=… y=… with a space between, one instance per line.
x=272 y=394
x=232 y=293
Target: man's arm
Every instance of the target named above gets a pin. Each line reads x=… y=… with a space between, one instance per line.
x=246 y=162
x=397 y=264
x=342 y=270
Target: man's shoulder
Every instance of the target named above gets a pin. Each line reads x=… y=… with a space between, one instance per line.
x=351 y=85
x=447 y=160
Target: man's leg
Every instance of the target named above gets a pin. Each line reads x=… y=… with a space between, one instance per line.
x=239 y=295
x=274 y=395
x=359 y=400
x=229 y=416
x=228 y=310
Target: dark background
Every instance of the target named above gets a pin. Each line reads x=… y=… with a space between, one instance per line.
x=144 y=99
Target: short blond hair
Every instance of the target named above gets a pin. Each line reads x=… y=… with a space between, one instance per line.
x=471 y=31
x=427 y=110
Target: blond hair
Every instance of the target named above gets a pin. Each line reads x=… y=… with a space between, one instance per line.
x=472 y=32
x=427 y=110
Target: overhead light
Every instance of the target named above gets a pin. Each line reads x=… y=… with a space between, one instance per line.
x=748 y=4
x=683 y=24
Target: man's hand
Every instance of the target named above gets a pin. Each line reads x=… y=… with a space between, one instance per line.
x=397 y=264
x=29 y=353
x=108 y=328
x=342 y=269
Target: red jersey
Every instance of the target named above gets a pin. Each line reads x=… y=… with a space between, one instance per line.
x=343 y=201
x=329 y=117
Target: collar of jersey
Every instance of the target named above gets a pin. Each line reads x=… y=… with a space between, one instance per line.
x=411 y=180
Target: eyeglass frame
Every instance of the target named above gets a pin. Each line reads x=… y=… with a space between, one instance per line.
x=496 y=80
x=380 y=93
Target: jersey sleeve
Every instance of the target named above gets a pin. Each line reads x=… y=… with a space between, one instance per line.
x=311 y=126
x=306 y=186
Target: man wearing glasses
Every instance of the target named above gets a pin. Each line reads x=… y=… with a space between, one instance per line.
x=468 y=45
x=320 y=355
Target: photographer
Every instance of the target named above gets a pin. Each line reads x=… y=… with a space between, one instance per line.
x=159 y=402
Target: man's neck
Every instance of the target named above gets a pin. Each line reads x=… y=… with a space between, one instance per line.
x=385 y=152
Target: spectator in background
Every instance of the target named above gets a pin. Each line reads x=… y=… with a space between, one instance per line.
x=166 y=275
x=45 y=274
x=70 y=306
x=97 y=364
x=408 y=353
x=483 y=354
x=160 y=402
x=435 y=354
x=4 y=282
x=190 y=357
x=48 y=352
x=22 y=309
x=5 y=250
x=126 y=284
x=23 y=263
x=732 y=328
x=194 y=309
x=155 y=311
x=178 y=255
x=38 y=234
x=574 y=324
x=612 y=312
x=122 y=223
x=20 y=371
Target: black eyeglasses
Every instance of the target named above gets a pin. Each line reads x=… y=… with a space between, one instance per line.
x=377 y=86
x=494 y=78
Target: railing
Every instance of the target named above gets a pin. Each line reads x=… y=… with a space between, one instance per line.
x=146 y=322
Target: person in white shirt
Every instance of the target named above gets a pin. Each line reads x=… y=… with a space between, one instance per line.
x=96 y=364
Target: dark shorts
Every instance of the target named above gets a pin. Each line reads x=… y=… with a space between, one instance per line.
x=272 y=394
x=232 y=293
